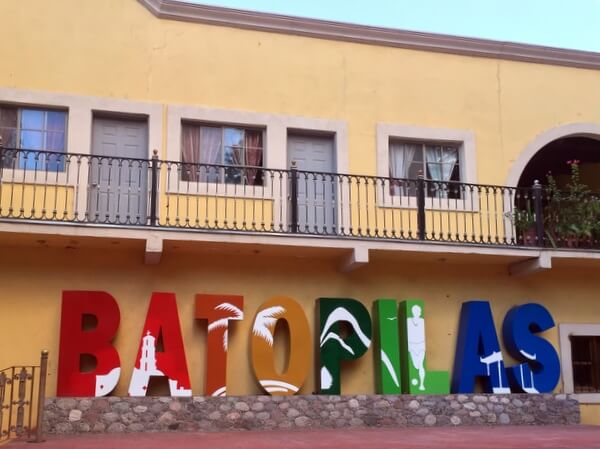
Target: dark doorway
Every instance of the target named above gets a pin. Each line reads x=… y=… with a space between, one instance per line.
x=555 y=157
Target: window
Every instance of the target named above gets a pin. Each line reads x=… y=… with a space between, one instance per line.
x=222 y=154
x=39 y=133
x=580 y=360
x=33 y=131
x=585 y=357
x=436 y=161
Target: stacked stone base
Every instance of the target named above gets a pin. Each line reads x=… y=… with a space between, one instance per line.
x=159 y=414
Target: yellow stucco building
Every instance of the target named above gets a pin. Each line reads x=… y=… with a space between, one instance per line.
x=157 y=146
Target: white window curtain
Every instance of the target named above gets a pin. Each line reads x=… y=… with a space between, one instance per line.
x=401 y=156
x=449 y=160
x=210 y=153
x=440 y=162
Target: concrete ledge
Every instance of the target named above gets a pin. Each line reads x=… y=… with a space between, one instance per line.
x=151 y=414
x=530 y=266
x=357 y=258
x=154 y=250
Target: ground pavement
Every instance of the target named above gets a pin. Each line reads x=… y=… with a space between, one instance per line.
x=505 y=437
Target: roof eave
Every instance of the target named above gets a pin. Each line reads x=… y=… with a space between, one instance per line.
x=390 y=37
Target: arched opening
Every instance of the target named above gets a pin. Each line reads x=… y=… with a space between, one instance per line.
x=568 y=203
x=556 y=157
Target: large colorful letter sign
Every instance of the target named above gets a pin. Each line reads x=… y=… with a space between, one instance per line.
x=218 y=310
x=540 y=371
x=388 y=347
x=415 y=377
x=162 y=325
x=263 y=332
x=478 y=351
x=333 y=346
x=75 y=342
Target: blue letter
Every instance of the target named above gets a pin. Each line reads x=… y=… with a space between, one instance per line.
x=541 y=370
x=478 y=352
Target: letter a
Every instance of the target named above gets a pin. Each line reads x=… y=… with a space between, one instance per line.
x=478 y=351
x=162 y=323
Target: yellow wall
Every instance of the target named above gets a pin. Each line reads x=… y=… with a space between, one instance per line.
x=116 y=48
x=33 y=279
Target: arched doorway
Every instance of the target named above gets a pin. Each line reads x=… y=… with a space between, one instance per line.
x=566 y=162
x=589 y=131
x=556 y=158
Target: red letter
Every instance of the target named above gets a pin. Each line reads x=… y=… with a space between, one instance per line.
x=162 y=320
x=218 y=310
x=76 y=341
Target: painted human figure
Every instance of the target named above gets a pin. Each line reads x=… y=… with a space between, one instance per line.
x=415 y=326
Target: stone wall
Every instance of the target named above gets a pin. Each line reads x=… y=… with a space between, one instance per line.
x=126 y=414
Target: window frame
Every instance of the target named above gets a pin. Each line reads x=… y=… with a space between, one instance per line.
x=19 y=166
x=465 y=142
x=423 y=144
x=565 y=331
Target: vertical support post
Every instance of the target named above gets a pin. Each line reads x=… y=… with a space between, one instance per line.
x=3 y=382
x=421 y=206
x=153 y=187
x=539 y=213
x=39 y=428
x=294 y=197
x=1 y=157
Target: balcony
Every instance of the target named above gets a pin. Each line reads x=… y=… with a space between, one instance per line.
x=94 y=192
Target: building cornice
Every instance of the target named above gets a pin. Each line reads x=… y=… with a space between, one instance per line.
x=324 y=29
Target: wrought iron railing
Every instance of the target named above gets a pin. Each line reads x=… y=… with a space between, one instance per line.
x=83 y=188
x=22 y=395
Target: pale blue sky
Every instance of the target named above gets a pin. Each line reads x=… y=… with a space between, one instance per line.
x=556 y=23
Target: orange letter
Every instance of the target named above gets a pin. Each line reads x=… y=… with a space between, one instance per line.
x=288 y=383
x=218 y=310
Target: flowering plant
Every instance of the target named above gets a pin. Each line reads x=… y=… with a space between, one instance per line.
x=572 y=215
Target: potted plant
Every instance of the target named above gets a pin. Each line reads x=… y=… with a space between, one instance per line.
x=524 y=223
x=572 y=215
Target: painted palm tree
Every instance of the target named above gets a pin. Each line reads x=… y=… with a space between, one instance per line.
x=264 y=324
x=229 y=312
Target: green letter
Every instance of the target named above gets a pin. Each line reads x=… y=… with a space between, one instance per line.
x=415 y=378
x=388 y=347
x=333 y=346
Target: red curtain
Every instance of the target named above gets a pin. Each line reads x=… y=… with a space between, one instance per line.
x=8 y=127
x=253 y=146
x=190 y=152
x=8 y=133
